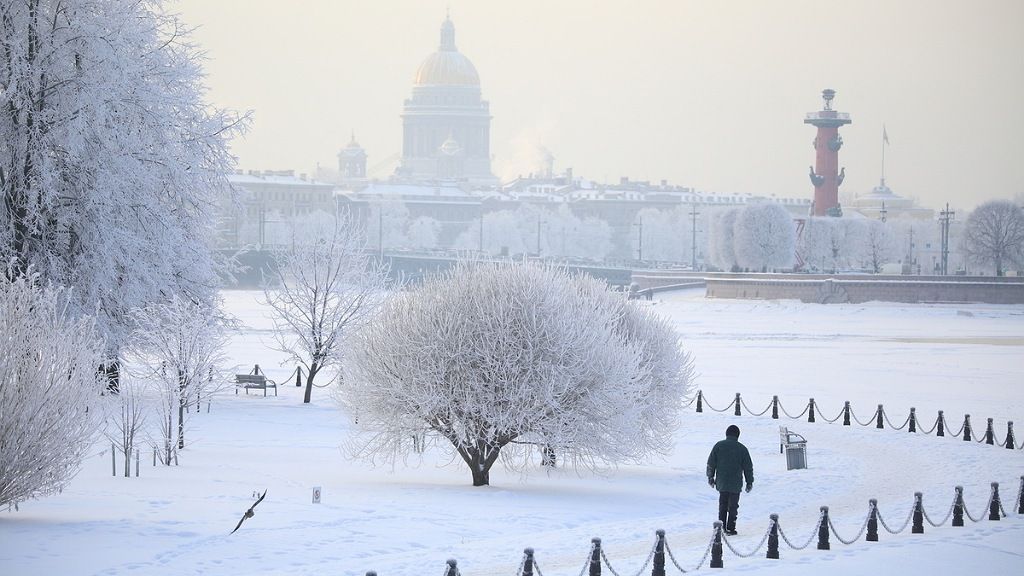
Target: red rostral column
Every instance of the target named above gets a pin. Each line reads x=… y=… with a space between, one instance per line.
x=825 y=174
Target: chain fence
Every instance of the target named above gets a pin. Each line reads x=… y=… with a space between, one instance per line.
x=719 y=541
x=847 y=414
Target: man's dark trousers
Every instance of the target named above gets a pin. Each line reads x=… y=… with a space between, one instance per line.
x=728 y=505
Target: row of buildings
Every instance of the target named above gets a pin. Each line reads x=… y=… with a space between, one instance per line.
x=444 y=174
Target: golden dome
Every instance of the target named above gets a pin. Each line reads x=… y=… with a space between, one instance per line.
x=447 y=66
x=447 y=69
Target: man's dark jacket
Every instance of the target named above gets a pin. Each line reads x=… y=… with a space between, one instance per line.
x=729 y=463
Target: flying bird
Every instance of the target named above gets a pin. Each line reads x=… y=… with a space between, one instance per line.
x=249 y=513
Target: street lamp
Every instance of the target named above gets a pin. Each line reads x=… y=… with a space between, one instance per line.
x=640 y=237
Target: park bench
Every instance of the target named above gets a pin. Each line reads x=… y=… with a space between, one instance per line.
x=258 y=381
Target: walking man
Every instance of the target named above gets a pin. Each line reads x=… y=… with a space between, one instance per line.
x=728 y=465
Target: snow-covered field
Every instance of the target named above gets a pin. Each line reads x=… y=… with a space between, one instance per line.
x=409 y=520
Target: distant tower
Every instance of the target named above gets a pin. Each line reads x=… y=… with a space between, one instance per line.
x=352 y=161
x=825 y=174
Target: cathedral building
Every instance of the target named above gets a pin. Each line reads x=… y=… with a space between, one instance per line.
x=446 y=124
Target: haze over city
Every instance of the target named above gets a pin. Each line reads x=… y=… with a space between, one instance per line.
x=702 y=94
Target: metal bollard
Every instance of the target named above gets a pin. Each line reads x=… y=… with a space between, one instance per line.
x=993 y=508
x=846 y=413
x=823 y=530
x=913 y=420
x=773 y=538
x=595 y=557
x=918 y=527
x=940 y=425
x=810 y=410
x=528 y=562
x=452 y=568
x=371 y=573
x=716 y=547
x=989 y=433
x=700 y=401
x=967 y=427
x=737 y=403
x=872 y=521
x=137 y=458
x=1009 y=435
x=659 y=555
x=1020 y=497
x=958 y=507
x=879 y=414
x=775 y=407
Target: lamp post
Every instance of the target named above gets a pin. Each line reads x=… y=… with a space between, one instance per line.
x=693 y=247
x=539 y=222
x=945 y=217
x=640 y=238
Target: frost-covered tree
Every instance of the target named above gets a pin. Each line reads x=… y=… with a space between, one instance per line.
x=49 y=388
x=127 y=417
x=721 y=234
x=423 y=233
x=568 y=235
x=592 y=238
x=502 y=232
x=994 y=235
x=386 y=224
x=511 y=360
x=764 y=237
x=111 y=162
x=322 y=287
x=878 y=246
x=178 y=346
x=663 y=236
x=814 y=246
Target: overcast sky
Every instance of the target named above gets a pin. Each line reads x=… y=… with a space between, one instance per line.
x=703 y=93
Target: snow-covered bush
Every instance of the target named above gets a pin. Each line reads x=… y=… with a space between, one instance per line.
x=49 y=388
x=513 y=359
x=764 y=237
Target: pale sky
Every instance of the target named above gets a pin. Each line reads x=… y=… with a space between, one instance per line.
x=703 y=93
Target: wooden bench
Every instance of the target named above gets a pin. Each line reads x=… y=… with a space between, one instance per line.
x=258 y=381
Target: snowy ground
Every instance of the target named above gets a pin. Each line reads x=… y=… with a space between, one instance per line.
x=407 y=521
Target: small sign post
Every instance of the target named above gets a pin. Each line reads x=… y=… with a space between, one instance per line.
x=316 y=494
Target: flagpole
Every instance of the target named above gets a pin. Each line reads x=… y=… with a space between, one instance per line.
x=883 y=154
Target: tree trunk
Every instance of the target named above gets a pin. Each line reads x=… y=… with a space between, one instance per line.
x=481 y=476
x=182 y=400
x=479 y=466
x=313 y=368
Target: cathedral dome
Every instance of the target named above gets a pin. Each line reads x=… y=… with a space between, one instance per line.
x=447 y=66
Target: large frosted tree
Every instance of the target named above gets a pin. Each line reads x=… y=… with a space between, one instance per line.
x=510 y=360
x=111 y=162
